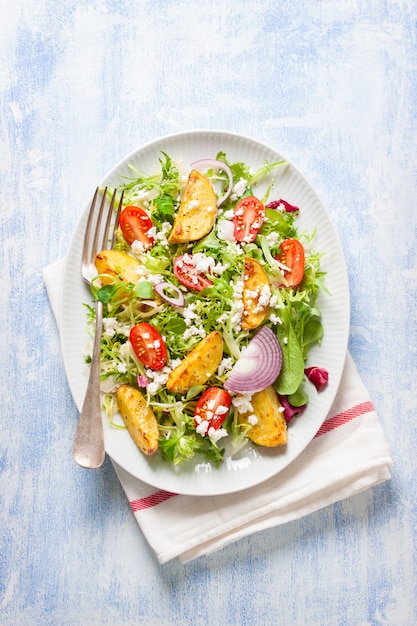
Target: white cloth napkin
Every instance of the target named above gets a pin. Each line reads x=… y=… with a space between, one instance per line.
x=348 y=455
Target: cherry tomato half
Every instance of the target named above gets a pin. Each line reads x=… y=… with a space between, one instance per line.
x=135 y=224
x=248 y=217
x=148 y=345
x=211 y=409
x=188 y=276
x=293 y=257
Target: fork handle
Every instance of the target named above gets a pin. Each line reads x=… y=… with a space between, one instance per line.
x=88 y=449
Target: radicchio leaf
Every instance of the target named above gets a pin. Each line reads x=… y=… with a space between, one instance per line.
x=318 y=376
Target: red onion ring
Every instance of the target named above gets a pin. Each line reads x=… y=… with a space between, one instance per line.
x=142 y=380
x=177 y=301
x=258 y=366
x=215 y=164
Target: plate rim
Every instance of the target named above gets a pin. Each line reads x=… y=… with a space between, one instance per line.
x=221 y=490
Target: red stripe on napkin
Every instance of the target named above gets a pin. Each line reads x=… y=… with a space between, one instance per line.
x=152 y=500
x=344 y=417
x=333 y=422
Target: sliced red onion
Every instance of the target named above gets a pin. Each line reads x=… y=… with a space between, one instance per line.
x=177 y=300
x=142 y=380
x=258 y=365
x=318 y=376
x=218 y=165
x=276 y=204
x=290 y=411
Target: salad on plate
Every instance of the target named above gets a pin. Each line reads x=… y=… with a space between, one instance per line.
x=210 y=297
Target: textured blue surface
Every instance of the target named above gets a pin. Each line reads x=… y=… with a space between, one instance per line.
x=331 y=85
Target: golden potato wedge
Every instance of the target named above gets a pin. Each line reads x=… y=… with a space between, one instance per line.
x=256 y=293
x=139 y=418
x=197 y=212
x=114 y=263
x=271 y=429
x=198 y=366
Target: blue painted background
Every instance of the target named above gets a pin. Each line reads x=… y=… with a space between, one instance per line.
x=331 y=85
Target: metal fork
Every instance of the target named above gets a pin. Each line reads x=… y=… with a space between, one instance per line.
x=88 y=449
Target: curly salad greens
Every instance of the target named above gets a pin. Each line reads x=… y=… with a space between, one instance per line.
x=210 y=310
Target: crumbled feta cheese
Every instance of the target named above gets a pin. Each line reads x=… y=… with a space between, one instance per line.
x=154 y=279
x=125 y=350
x=272 y=239
x=222 y=318
x=225 y=230
x=263 y=300
x=189 y=315
x=252 y=420
x=226 y=364
x=194 y=331
x=274 y=319
x=138 y=247
x=203 y=264
x=274 y=302
x=157 y=378
x=216 y=434
x=242 y=402
x=238 y=189
x=237 y=307
x=221 y=410
x=144 y=196
x=202 y=428
x=109 y=326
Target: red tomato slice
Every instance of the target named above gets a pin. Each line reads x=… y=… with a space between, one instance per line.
x=187 y=275
x=293 y=257
x=135 y=224
x=248 y=218
x=148 y=345
x=211 y=409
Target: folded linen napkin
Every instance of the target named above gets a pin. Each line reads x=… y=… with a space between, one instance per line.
x=348 y=454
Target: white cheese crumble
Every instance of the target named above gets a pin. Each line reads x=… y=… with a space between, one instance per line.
x=225 y=230
x=274 y=319
x=203 y=263
x=158 y=378
x=190 y=316
x=243 y=402
x=238 y=189
x=272 y=239
x=226 y=364
x=194 y=331
x=111 y=326
x=144 y=196
x=216 y=434
x=138 y=247
x=263 y=299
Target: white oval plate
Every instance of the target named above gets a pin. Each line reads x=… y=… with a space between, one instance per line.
x=255 y=464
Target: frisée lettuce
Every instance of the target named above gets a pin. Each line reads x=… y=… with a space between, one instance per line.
x=293 y=313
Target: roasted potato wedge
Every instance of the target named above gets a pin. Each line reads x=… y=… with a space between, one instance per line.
x=197 y=212
x=198 y=366
x=114 y=263
x=139 y=418
x=271 y=429
x=255 y=284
